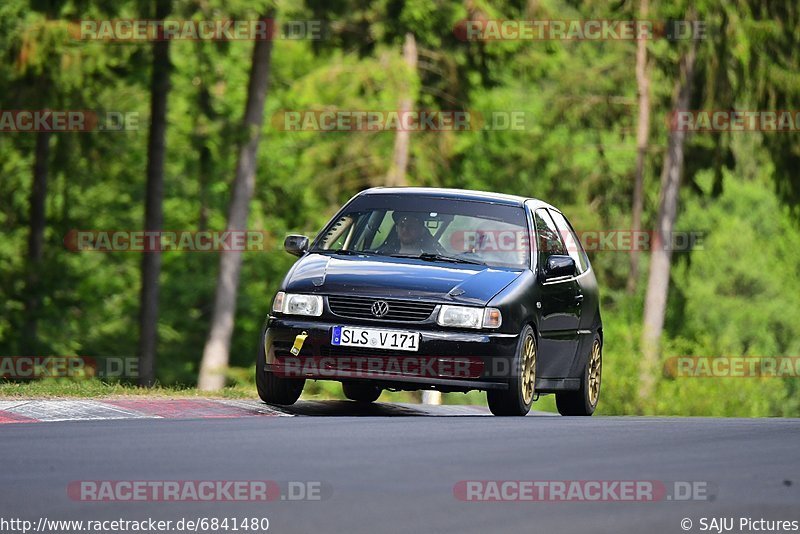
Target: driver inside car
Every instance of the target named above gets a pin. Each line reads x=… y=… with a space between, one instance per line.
x=411 y=237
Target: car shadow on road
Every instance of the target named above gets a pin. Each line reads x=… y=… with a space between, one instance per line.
x=343 y=408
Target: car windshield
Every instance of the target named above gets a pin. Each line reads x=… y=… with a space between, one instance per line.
x=432 y=229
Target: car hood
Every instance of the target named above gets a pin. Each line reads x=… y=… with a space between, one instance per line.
x=397 y=278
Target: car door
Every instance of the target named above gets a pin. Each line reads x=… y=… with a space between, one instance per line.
x=587 y=283
x=588 y=293
x=558 y=305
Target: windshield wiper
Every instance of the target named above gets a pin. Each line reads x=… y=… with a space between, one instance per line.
x=346 y=252
x=430 y=256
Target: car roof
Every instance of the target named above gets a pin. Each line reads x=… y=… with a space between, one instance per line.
x=459 y=194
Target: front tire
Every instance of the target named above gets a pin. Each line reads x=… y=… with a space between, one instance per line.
x=361 y=392
x=517 y=399
x=273 y=389
x=583 y=402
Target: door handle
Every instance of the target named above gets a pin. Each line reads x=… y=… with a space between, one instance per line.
x=579 y=298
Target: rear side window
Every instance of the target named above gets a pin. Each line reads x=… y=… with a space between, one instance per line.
x=547 y=239
x=573 y=244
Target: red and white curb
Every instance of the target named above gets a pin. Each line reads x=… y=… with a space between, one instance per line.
x=35 y=411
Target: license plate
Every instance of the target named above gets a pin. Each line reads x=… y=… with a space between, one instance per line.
x=348 y=336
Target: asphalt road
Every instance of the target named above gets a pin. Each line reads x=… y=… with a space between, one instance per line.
x=383 y=473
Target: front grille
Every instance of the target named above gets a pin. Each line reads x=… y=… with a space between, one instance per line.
x=399 y=310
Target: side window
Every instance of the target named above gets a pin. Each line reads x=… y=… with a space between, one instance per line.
x=547 y=239
x=573 y=244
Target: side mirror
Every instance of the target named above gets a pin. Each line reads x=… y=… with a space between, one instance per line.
x=558 y=266
x=296 y=245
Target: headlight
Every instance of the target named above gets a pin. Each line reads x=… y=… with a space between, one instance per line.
x=297 y=304
x=466 y=317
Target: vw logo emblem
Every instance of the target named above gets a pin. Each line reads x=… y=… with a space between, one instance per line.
x=380 y=308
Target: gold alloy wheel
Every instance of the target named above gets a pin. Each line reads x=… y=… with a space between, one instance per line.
x=528 y=369
x=595 y=369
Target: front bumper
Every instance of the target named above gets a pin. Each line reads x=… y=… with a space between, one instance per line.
x=447 y=360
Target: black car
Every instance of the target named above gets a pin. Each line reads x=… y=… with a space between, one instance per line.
x=421 y=288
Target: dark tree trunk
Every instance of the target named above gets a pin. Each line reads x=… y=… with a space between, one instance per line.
x=38 y=221
x=642 y=135
x=201 y=137
x=153 y=215
x=396 y=176
x=660 y=263
x=216 y=353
